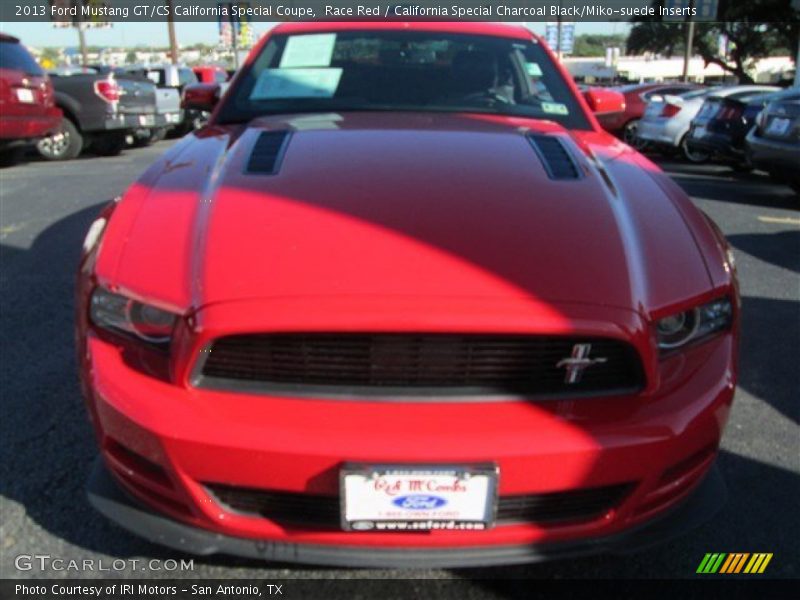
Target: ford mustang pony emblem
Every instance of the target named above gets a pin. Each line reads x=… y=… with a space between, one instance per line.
x=578 y=362
x=419 y=502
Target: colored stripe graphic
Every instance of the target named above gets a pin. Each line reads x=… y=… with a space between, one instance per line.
x=715 y=567
x=755 y=562
x=733 y=563
x=740 y=563
x=711 y=563
x=765 y=563
x=730 y=567
x=703 y=563
x=728 y=562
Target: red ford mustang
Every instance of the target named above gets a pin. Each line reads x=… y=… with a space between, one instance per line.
x=404 y=303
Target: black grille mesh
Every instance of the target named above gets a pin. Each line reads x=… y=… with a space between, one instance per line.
x=416 y=364
x=324 y=511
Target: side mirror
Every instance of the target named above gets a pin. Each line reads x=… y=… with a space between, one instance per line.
x=604 y=102
x=200 y=96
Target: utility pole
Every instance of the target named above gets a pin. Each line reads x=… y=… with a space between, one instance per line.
x=796 y=6
x=558 y=33
x=687 y=53
x=797 y=66
x=82 y=43
x=173 y=41
x=235 y=44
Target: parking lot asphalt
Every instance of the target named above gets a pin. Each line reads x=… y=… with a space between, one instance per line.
x=48 y=446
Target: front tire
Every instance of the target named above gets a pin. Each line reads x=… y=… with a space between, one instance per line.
x=64 y=144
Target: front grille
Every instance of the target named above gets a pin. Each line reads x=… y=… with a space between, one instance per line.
x=306 y=510
x=434 y=365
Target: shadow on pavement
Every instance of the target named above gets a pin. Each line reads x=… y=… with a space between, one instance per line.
x=781 y=249
x=768 y=362
x=752 y=189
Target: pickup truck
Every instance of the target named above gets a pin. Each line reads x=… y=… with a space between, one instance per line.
x=169 y=114
x=176 y=77
x=100 y=110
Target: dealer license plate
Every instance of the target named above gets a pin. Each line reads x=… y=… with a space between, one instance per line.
x=778 y=127
x=398 y=498
x=25 y=95
x=146 y=120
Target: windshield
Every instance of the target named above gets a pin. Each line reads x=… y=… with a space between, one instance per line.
x=15 y=57
x=402 y=70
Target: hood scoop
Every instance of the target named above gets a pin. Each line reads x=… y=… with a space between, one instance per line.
x=268 y=151
x=556 y=159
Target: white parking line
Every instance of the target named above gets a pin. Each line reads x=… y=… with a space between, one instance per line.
x=779 y=220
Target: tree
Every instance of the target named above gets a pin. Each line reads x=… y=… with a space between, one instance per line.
x=130 y=58
x=50 y=57
x=754 y=30
x=596 y=44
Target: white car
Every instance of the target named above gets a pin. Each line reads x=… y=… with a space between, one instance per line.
x=666 y=120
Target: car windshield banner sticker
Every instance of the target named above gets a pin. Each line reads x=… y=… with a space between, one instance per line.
x=296 y=83
x=314 y=50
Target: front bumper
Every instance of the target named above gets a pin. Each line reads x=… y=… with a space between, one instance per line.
x=169 y=119
x=658 y=132
x=107 y=498
x=128 y=121
x=715 y=143
x=188 y=439
x=774 y=155
x=29 y=127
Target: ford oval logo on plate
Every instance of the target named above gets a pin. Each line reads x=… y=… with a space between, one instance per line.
x=419 y=502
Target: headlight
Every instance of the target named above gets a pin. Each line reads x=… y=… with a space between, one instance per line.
x=119 y=313
x=681 y=328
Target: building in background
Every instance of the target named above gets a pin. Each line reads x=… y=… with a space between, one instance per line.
x=774 y=69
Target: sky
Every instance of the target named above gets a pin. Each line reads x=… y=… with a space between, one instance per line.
x=155 y=34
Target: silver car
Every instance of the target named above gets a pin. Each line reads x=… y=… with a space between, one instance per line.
x=666 y=119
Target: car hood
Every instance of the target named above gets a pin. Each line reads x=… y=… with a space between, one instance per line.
x=401 y=205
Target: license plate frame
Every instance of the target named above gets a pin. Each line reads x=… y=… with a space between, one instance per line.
x=484 y=477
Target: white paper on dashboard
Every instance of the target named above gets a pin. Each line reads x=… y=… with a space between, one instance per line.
x=296 y=83
x=313 y=50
